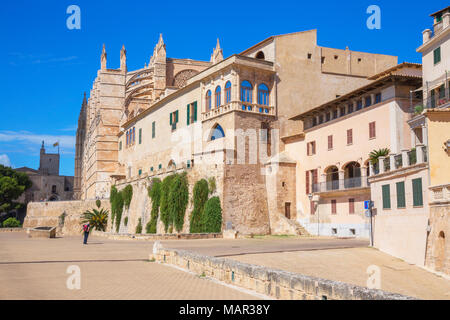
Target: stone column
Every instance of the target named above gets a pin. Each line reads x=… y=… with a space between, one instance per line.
x=341 y=179
x=405 y=158
x=364 y=177
x=426 y=35
x=419 y=153
x=372 y=97
x=381 y=164
x=392 y=161
x=424 y=134
x=371 y=169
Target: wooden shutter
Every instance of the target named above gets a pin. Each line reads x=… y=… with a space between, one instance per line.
x=372 y=132
x=311 y=204
x=349 y=136
x=188 y=114
x=417 y=192
x=386 y=196
x=351 y=205
x=400 y=194
x=307 y=182
x=195 y=111
x=140 y=136
x=314 y=173
x=171 y=118
x=176 y=116
x=153 y=129
x=330 y=142
x=333 y=206
x=313 y=145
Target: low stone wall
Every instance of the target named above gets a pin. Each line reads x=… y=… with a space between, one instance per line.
x=271 y=282
x=47 y=214
x=12 y=229
x=154 y=237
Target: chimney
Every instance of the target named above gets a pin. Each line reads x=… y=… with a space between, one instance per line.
x=426 y=35
x=445 y=20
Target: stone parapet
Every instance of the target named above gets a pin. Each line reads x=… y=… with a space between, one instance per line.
x=153 y=237
x=274 y=283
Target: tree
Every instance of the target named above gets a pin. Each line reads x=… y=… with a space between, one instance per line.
x=98 y=219
x=12 y=185
x=375 y=154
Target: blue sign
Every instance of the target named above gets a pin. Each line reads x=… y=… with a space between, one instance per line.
x=368 y=204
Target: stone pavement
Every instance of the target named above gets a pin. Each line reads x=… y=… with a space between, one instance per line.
x=36 y=269
x=350 y=265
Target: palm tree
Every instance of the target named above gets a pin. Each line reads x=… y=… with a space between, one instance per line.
x=375 y=154
x=98 y=219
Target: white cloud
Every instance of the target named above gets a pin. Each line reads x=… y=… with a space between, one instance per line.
x=66 y=143
x=4 y=160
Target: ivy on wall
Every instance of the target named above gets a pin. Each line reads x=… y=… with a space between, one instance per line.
x=127 y=194
x=139 y=226
x=211 y=220
x=119 y=200
x=154 y=192
x=200 y=196
x=164 y=204
x=178 y=200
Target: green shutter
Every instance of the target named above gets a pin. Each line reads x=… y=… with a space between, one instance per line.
x=170 y=115
x=386 y=197
x=400 y=194
x=140 y=136
x=437 y=55
x=153 y=129
x=417 y=192
x=195 y=111
x=176 y=116
x=188 y=109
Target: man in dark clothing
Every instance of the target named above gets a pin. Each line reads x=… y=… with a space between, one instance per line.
x=86 y=229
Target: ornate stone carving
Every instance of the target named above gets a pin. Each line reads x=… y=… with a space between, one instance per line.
x=181 y=77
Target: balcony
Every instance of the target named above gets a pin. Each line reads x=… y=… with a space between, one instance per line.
x=340 y=185
x=404 y=159
x=239 y=106
x=440 y=194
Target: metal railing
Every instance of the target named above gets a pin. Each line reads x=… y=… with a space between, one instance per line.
x=342 y=184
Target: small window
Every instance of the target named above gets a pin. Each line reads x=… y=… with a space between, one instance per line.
x=139 y=171
x=217 y=96
x=437 y=55
x=314 y=121
x=327 y=116
x=174 y=120
x=321 y=119
x=335 y=113
x=378 y=98
x=333 y=207
x=323 y=60
x=417 y=192
x=334 y=231
x=309 y=56
x=400 y=194
x=160 y=166
x=372 y=130
x=151 y=169
x=368 y=101
x=349 y=136
x=359 y=105
x=208 y=100
x=260 y=55
x=342 y=109
x=120 y=145
x=351 y=206
x=228 y=92
x=311 y=148
x=386 y=194
x=350 y=107
x=263 y=94
x=140 y=136
x=330 y=142
x=153 y=130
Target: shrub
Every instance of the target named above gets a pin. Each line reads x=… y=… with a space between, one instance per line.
x=127 y=194
x=125 y=221
x=112 y=200
x=178 y=200
x=212 y=216
x=139 y=226
x=98 y=203
x=375 y=154
x=200 y=196
x=164 y=201
x=212 y=184
x=154 y=192
x=418 y=109
x=11 y=223
x=118 y=205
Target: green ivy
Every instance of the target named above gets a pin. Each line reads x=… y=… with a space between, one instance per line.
x=212 y=184
x=154 y=192
x=127 y=194
x=200 y=196
x=112 y=200
x=178 y=200
x=125 y=221
x=212 y=216
x=139 y=226
x=164 y=201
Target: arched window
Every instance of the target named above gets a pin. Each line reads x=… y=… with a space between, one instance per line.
x=260 y=55
x=134 y=135
x=228 y=92
x=218 y=91
x=263 y=95
x=127 y=139
x=217 y=132
x=246 y=94
x=208 y=100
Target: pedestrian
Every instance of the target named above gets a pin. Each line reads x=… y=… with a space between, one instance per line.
x=86 y=229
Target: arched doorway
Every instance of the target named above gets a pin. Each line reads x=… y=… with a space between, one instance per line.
x=332 y=175
x=352 y=175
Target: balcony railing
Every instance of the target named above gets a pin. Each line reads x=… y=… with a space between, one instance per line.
x=440 y=193
x=341 y=184
x=239 y=106
x=402 y=160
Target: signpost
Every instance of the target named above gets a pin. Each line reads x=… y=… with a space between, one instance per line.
x=368 y=205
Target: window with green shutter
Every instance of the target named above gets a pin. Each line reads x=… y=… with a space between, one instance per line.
x=437 y=55
x=401 y=203
x=386 y=196
x=153 y=129
x=140 y=136
x=140 y=171
x=188 y=114
x=417 y=192
x=195 y=111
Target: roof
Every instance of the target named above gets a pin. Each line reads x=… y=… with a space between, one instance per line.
x=433 y=14
x=399 y=69
x=382 y=78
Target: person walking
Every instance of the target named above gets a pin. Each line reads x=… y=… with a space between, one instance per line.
x=86 y=229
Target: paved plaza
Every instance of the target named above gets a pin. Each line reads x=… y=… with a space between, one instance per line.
x=112 y=269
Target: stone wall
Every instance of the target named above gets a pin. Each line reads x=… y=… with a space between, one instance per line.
x=47 y=214
x=438 y=243
x=271 y=282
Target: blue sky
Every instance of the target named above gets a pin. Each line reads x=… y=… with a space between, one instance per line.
x=46 y=67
